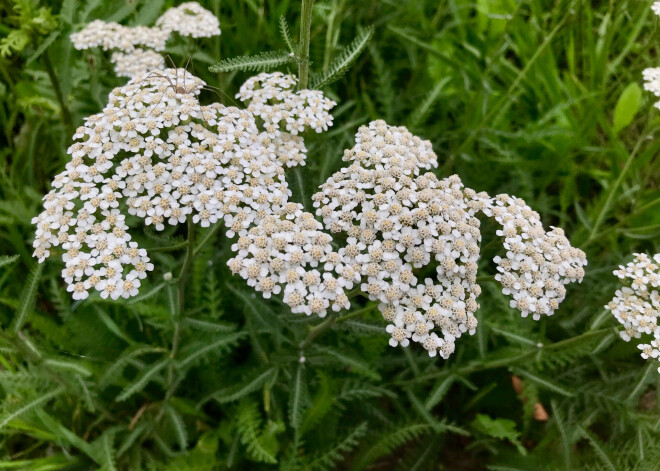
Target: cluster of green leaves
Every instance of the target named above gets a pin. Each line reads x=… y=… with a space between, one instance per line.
x=534 y=98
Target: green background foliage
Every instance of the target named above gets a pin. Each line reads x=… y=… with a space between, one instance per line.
x=539 y=99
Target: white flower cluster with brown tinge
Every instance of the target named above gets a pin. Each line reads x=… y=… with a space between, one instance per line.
x=136 y=62
x=155 y=148
x=286 y=112
x=637 y=304
x=399 y=220
x=113 y=36
x=537 y=264
x=136 y=47
x=189 y=19
x=409 y=240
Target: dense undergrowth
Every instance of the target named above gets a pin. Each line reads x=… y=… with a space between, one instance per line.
x=535 y=99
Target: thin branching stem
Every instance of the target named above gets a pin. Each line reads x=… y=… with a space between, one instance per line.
x=206 y=238
x=316 y=330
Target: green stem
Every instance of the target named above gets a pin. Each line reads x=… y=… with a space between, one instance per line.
x=178 y=309
x=305 y=31
x=206 y=238
x=329 y=322
x=64 y=109
x=315 y=331
x=169 y=248
x=359 y=312
x=610 y=194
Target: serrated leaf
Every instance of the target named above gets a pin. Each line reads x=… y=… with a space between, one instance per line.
x=329 y=458
x=344 y=60
x=178 y=425
x=297 y=396
x=28 y=297
x=627 y=106
x=248 y=423
x=197 y=351
x=286 y=34
x=544 y=382
x=503 y=429
x=8 y=259
x=34 y=403
x=142 y=380
x=125 y=358
x=250 y=385
x=259 y=62
x=344 y=356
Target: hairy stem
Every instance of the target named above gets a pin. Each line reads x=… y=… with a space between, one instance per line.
x=305 y=29
x=64 y=109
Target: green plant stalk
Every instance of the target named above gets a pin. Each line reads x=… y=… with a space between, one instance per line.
x=315 y=331
x=305 y=30
x=329 y=322
x=64 y=109
x=610 y=194
x=181 y=291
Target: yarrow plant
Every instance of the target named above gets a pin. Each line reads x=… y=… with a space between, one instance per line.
x=157 y=153
x=136 y=49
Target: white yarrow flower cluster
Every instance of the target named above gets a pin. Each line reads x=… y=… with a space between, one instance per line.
x=637 y=304
x=136 y=62
x=156 y=153
x=189 y=19
x=135 y=48
x=113 y=36
x=537 y=264
x=286 y=112
x=165 y=158
x=398 y=220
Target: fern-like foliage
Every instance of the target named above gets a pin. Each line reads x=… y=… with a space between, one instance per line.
x=259 y=62
x=286 y=35
x=340 y=65
x=261 y=444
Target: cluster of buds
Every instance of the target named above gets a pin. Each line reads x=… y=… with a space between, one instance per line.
x=408 y=240
x=136 y=48
x=637 y=304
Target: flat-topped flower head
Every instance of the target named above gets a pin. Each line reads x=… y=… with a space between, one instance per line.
x=398 y=219
x=537 y=264
x=137 y=62
x=383 y=147
x=113 y=36
x=189 y=19
x=286 y=113
x=637 y=304
x=135 y=48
